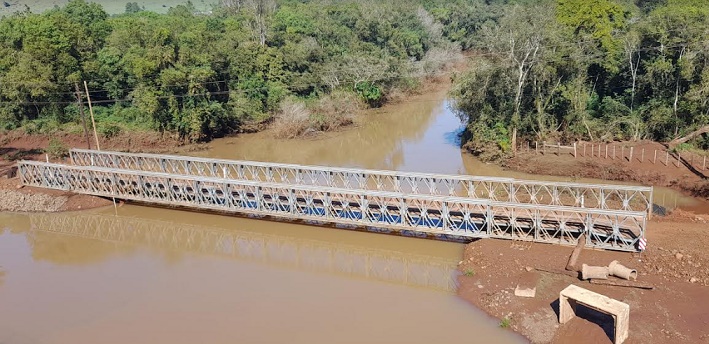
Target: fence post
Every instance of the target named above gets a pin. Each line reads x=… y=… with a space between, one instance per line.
x=606 y=151
x=705 y=163
x=667 y=157
x=654 y=160
x=679 y=156
x=613 y=152
x=584 y=149
x=574 y=149
x=536 y=147
x=622 y=153
x=544 y=147
x=558 y=148
x=642 y=155
x=631 y=154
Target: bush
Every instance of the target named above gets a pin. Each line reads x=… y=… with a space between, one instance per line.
x=328 y=113
x=292 y=120
x=109 y=130
x=57 y=149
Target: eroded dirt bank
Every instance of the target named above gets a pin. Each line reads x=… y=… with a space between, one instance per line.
x=687 y=175
x=15 y=198
x=676 y=264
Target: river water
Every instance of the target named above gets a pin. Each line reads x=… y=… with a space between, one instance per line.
x=147 y=275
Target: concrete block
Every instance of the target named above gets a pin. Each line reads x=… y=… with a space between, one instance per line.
x=572 y=295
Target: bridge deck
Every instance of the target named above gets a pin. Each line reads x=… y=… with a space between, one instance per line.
x=443 y=216
x=594 y=196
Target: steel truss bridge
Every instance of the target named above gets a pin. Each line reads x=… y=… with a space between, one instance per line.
x=608 y=197
x=311 y=255
x=433 y=215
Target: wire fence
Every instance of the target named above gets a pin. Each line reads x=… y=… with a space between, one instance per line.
x=620 y=152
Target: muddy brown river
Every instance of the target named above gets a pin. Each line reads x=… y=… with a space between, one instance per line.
x=147 y=275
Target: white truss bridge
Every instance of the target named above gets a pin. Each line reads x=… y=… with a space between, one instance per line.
x=310 y=198
x=594 y=196
x=290 y=252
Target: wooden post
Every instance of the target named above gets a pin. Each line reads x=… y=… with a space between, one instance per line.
x=558 y=148
x=679 y=156
x=584 y=149
x=527 y=146
x=536 y=147
x=98 y=147
x=705 y=163
x=81 y=111
x=91 y=111
x=630 y=159
x=642 y=155
x=654 y=160
x=574 y=149
x=571 y=264
x=667 y=157
x=613 y=152
x=606 y=151
x=544 y=147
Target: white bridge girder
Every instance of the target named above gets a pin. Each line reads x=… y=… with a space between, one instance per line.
x=433 y=215
x=593 y=196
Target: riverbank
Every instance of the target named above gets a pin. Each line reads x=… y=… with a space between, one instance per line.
x=17 y=198
x=683 y=172
x=675 y=263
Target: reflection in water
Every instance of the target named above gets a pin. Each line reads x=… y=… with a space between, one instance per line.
x=302 y=254
x=162 y=276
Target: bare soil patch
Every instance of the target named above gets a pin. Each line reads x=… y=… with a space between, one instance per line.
x=19 y=146
x=686 y=174
x=676 y=264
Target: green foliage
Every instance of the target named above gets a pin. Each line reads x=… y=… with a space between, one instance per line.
x=588 y=73
x=201 y=76
x=505 y=322
x=469 y=272
x=595 y=19
x=371 y=93
x=57 y=149
x=133 y=7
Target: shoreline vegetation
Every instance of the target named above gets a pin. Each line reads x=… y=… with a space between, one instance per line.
x=194 y=76
x=596 y=71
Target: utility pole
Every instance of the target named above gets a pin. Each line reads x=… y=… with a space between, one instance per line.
x=91 y=111
x=81 y=111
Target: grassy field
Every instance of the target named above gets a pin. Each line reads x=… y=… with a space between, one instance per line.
x=111 y=6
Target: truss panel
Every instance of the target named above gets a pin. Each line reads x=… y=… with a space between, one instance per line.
x=593 y=196
x=417 y=215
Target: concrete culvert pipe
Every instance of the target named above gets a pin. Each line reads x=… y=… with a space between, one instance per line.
x=618 y=270
x=599 y=272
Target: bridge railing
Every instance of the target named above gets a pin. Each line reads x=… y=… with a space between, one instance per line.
x=439 y=216
x=593 y=196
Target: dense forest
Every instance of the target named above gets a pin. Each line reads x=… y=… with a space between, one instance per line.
x=587 y=69
x=538 y=70
x=202 y=75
